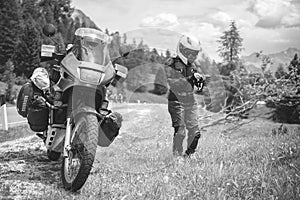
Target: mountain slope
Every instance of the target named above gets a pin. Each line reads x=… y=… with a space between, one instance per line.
x=282 y=58
x=79 y=17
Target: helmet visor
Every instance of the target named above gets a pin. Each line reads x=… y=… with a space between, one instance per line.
x=188 y=53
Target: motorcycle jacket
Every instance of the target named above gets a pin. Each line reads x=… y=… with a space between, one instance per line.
x=180 y=79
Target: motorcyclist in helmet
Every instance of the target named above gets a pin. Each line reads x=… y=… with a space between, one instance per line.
x=182 y=75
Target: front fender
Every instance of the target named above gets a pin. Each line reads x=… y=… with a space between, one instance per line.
x=85 y=110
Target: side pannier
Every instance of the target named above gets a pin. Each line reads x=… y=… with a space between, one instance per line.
x=31 y=106
x=109 y=129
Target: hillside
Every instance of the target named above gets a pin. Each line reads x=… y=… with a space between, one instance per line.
x=83 y=19
x=253 y=62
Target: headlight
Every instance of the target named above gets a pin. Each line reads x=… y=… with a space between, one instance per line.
x=90 y=76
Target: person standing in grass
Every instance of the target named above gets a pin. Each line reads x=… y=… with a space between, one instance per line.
x=182 y=76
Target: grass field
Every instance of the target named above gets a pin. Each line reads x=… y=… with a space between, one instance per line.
x=15 y=133
x=259 y=160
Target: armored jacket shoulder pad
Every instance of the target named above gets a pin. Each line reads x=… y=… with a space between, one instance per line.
x=170 y=61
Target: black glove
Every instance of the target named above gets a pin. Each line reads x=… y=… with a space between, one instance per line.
x=38 y=102
x=198 y=81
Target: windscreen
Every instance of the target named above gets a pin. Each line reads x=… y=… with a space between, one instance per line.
x=91 y=45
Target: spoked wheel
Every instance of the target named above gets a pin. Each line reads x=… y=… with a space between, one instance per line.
x=77 y=166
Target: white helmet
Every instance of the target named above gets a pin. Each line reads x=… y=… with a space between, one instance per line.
x=40 y=78
x=188 y=48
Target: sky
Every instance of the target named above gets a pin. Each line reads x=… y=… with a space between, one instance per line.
x=267 y=25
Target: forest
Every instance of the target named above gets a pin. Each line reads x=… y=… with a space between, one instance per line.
x=232 y=89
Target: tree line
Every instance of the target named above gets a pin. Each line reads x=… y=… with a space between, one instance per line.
x=21 y=38
x=21 y=35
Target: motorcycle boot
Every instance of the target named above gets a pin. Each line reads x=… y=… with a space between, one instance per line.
x=178 y=140
x=192 y=141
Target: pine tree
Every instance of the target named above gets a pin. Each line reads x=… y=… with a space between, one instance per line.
x=230 y=44
x=58 y=13
x=168 y=53
x=9 y=29
x=280 y=73
x=124 y=38
x=9 y=78
x=141 y=44
x=27 y=54
x=29 y=7
x=46 y=9
x=115 y=45
x=62 y=10
x=134 y=42
x=155 y=52
x=56 y=10
x=77 y=23
x=294 y=66
x=70 y=34
x=106 y=31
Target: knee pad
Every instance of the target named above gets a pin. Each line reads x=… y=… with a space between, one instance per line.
x=178 y=140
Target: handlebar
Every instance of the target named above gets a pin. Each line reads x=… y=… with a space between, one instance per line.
x=49 y=105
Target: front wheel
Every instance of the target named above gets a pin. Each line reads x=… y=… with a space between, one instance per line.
x=77 y=166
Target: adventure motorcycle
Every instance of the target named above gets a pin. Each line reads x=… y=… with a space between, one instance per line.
x=77 y=118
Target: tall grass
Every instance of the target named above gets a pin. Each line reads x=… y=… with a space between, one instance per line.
x=245 y=164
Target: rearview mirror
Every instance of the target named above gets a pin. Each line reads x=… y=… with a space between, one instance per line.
x=121 y=70
x=49 y=30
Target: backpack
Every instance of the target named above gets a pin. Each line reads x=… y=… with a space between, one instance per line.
x=24 y=99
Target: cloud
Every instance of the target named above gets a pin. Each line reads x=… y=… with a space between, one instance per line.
x=220 y=18
x=155 y=37
x=217 y=18
x=275 y=13
x=163 y=20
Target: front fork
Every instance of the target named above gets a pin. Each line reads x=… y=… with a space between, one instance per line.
x=67 y=143
x=69 y=137
x=83 y=109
